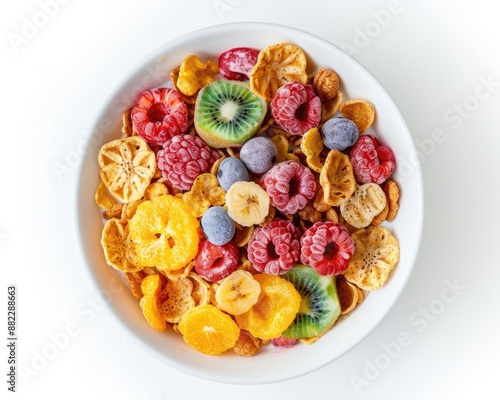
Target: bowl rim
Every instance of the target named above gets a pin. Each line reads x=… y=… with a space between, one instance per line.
x=117 y=86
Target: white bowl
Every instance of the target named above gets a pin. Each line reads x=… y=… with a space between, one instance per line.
x=271 y=364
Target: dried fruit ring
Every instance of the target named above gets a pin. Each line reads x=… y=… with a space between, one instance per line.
x=126 y=167
x=165 y=233
x=159 y=114
x=296 y=108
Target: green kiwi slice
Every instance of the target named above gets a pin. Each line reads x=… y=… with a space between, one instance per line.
x=228 y=113
x=319 y=307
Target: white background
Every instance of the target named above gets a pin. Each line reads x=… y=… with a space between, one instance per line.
x=433 y=57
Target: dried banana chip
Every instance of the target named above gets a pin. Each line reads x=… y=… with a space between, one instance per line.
x=366 y=202
x=375 y=256
x=126 y=167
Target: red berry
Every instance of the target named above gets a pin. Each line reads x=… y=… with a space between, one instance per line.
x=371 y=162
x=275 y=247
x=236 y=64
x=215 y=262
x=327 y=247
x=159 y=114
x=296 y=108
x=183 y=158
x=284 y=342
x=289 y=185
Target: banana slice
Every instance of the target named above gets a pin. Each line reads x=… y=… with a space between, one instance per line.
x=247 y=203
x=237 y=293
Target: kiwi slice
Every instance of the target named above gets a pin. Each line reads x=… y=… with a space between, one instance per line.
x=228 y=113
x=319 y=307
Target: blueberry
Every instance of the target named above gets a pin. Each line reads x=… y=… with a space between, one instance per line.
x=259 y=154
x=231 y=170
x=339 y=133
x=218 y=227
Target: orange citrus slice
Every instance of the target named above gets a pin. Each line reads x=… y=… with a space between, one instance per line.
x=207 y=329
x=165 y=233
x=275 y=310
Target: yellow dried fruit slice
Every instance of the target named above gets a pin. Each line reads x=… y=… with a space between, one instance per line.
x=113 y=241
x=312 y=146
x=276 y=65
x=126 y=167
x=150 y=287
x=375 y=256
x=337 y=178
x=165 y=233
x=366 y=202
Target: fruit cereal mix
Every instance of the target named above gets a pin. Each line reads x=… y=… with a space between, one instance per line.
x=246 y=204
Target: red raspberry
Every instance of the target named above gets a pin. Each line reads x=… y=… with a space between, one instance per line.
x=284 y=342
x=296 y=108
x=215 y=262
x=275 y=247
x=371 y=162
x=289 y=185
x=183 y=158
x=236 y=64
x=327 y=247
x=159 y=114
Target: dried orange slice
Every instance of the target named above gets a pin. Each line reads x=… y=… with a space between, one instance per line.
x=275 y=310
x=165 y=233
x=150 y=287
x=114 y=244
x=207 y=329
x=278 y=64
x=126 y=167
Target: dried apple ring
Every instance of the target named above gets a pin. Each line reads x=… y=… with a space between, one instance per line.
x=126 y=167
x=375 y=256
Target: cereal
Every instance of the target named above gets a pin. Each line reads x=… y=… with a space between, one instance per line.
x=204 y=193
x=178 y=299
x=221 y=297
x=103 y=198
x=361 y=112
x=392 y=193
x=326 y=84
x=195 y=74
x=330 y=107
x=247 y=345
x=348 y=294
